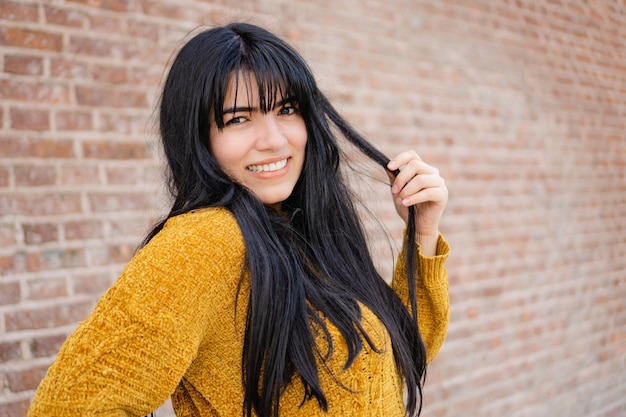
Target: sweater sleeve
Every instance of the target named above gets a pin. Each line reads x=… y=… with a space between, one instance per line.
x=433 y=302
x=132 y=351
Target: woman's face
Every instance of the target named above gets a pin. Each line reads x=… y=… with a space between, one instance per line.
x=262 y=151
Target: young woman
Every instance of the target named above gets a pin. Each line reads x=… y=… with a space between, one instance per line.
x=257 y=295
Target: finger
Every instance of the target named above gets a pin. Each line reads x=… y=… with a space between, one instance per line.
x=421 y=182
x=435 y=195
x=411 y=170
x=402 y=159
x=416 y=187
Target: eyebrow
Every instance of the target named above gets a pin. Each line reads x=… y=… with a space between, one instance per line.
x=281 y=103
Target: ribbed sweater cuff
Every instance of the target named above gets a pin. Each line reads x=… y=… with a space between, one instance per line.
x=432 y=267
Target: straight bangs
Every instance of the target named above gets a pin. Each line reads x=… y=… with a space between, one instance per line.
x=281 y=76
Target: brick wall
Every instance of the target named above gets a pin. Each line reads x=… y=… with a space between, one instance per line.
x=521 y=104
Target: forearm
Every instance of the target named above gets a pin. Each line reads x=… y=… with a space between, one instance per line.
x=432 y=294
x=428 y=244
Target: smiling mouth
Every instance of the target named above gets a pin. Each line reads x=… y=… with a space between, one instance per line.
x=274 y=166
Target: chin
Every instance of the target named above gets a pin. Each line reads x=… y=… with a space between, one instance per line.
x=274 y=198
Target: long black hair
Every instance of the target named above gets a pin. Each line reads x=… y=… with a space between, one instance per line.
x=312 y=256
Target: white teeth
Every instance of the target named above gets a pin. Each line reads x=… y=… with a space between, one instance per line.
x=274 y=166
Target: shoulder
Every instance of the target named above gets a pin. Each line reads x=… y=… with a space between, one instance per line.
x=214 y=224
x=215 y=221
x=218 y=217
x=210 y=232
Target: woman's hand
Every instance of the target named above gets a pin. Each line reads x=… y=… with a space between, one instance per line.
x=419 y=184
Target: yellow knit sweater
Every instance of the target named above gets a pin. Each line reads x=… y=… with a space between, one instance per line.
x=166 y=327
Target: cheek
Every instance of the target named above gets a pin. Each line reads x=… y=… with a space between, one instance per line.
x=230 y=162
x=303 y=140
x=226 y=155
x=300 y=137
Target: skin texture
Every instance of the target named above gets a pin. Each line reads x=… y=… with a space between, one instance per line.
x=252 y=139
x=419 y=184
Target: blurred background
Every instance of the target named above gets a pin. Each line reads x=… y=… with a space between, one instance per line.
x=520 y=104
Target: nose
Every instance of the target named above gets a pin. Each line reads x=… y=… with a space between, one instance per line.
x=270 y=135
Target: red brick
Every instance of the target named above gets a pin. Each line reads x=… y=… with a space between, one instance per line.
x=64 y=17
x=108 y=97
x=106 y=202
x=110 y=74
x=43 y=347
x=79 y=174
x=117 y=123
x=7 y=264
x=94 y=47
x=33 y=93
x=148 y=31
x=13 y=147
x=171 y=11
x=10 y=351
x=101 y=47
x=25 y=380
x=26 y=65
x=91 y=284
x=105 y=24
x=15 y=11
x=70 y=69
x=115 y=150
x=72 y=121
x=15 y=408
x=38 y=233
x=109 y=255
x=156 y=8
x=29 y=262
x=44 y=289
x=18 y=263
x=34 y=176
x=122 y=253
x=111 y=5
x=22 y=119
x=147 y=76
x=47 y=317
x=61 y=259
x=10 y=293
x=122 y=175
x=41 y=204
x=129 y=227
x=83 y=230
x=4 y=175
x=7 y=235
x=27 y=38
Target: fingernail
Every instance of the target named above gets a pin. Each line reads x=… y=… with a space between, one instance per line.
x=391 y=165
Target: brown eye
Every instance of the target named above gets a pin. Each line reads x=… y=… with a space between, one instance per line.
x=288 y=109
x=235 y=121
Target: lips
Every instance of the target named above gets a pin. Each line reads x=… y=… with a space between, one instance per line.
x=274 y=166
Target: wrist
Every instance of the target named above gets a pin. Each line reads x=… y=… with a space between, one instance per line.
x=428 y=243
